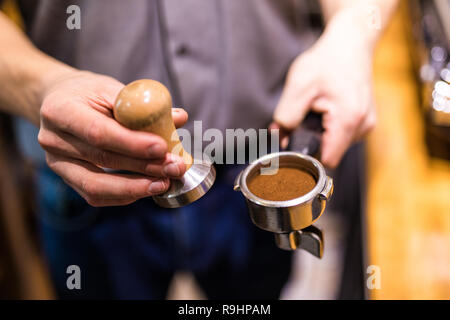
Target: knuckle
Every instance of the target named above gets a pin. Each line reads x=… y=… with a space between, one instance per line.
x=89 y=189
x=137 y=191
x=132 y=193
x=330 y=162
x=359 y=115
x=43 y=139
x=368 y=126
x=371 y=123
x=46 y=111
x=353 y=122
x=50 y=162
x=94 y=134
x=50 y=107
x=93 y=202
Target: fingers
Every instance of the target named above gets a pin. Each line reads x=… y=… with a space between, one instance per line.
x=99 y=188
x=80 y=134
x=102 y=132
x=283 y=134
x=180 y=117
x=336 y=139
x=69 y=146
x=296 y=98
x=292 y=107
x=342 y=126
x=367 y=125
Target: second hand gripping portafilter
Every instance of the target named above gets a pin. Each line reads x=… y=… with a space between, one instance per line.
x=146 y=105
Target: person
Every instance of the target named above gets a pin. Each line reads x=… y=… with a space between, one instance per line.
x=217 y=58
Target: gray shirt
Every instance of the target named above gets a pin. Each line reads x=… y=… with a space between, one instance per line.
x=224 y=61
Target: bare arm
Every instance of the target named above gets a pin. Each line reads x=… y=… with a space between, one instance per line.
x=25 y=72
x=368 y=17
x=73 y=110
x=334 y=77
x=331 y=7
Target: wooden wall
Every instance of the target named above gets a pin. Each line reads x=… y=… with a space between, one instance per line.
x=409 y=192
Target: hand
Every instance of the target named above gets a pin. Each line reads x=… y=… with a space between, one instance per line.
x=334 y=78
x=80 y=137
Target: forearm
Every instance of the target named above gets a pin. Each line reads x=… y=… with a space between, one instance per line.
x=364 y=20
x=25 y=72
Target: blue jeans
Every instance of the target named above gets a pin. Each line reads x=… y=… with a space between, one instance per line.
x=132 y=252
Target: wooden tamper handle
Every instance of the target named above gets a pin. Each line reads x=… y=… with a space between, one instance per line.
x=146 y=105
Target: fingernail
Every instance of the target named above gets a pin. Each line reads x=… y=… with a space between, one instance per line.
x=157 y=186
x=171 y=170
x=156 y=151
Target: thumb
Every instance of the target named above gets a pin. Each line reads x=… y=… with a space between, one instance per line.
x=179 y=116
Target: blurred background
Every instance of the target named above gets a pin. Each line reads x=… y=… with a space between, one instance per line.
x=402 y=225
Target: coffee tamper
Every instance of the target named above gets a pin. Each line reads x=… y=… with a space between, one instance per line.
x=146 y=105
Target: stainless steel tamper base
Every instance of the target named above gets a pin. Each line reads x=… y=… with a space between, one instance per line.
x=196 y=181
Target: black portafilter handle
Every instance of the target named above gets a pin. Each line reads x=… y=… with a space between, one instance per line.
x=308 y=137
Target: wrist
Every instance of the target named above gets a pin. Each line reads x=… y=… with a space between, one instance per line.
x=357 y=27
x=55 y=72
x=41 y=79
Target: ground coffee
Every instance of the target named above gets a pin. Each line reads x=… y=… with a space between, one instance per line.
x=286 y=184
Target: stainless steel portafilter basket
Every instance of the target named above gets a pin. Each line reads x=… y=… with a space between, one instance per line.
x=291 y=221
